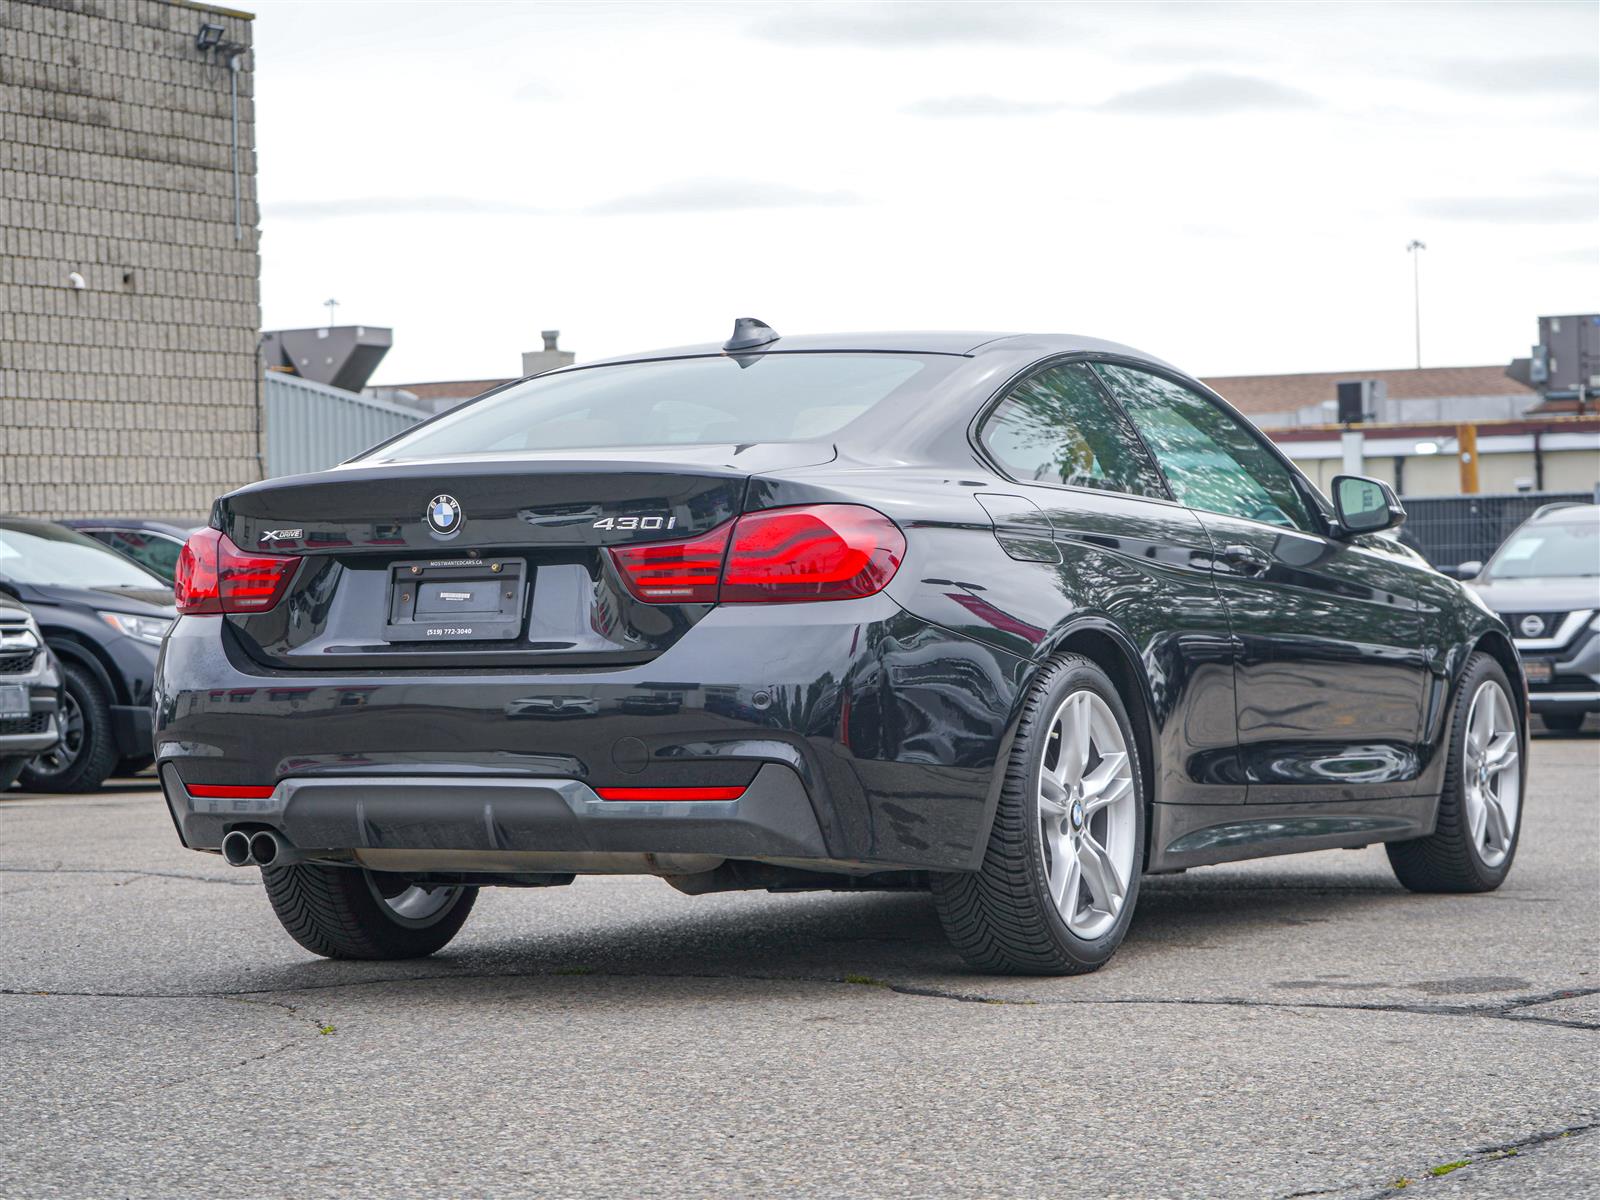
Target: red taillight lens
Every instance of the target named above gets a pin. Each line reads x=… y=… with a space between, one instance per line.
x=819 y=552
x=195 y=584
x=675 y=572
x=215 y=576
x=778 y=555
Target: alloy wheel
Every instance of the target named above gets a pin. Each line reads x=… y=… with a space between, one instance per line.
x=411 y=903
x=1088 y=823
x=63 y=754
x=1490 y=778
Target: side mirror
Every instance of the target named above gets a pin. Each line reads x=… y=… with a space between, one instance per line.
x=1365 y=505
x=1468 y=570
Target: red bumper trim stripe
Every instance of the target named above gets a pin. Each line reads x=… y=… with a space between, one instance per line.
x=229 y=791
x=669 y=793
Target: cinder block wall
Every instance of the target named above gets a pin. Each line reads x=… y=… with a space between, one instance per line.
x=137 y=394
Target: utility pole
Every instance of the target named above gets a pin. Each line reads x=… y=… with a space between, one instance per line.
x=1467 y=457
x=1413 y=248
x=332 y=307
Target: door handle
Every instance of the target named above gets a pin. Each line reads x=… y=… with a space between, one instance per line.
x=1246 y=560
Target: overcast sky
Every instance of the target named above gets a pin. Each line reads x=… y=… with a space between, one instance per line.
x=1231 y=187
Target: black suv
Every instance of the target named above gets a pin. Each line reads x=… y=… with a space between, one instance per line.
x=104 y=617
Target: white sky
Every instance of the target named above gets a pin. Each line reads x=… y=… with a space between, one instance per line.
x=1231 y=187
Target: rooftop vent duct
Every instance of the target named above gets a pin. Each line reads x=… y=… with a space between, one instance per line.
x=343 y=356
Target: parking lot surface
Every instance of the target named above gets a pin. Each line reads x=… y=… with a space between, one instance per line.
x=1290 y=1027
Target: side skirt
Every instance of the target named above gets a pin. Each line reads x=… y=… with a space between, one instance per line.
x=1197 y=835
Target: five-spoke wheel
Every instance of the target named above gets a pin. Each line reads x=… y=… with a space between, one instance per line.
x=1087 y=825
x=1060 y=875
x=1480 y=805
x=1490 y=778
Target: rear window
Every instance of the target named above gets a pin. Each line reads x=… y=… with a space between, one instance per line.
x=682 y=401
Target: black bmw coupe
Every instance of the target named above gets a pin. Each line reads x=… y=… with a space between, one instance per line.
x=1018 y=619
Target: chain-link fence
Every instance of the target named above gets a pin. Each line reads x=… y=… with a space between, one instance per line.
x=1451 y=530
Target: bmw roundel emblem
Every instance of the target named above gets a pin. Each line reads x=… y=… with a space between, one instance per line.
x=1532 y=625
x=444 y=514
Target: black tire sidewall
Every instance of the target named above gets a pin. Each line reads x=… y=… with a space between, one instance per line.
x=1563 y=722
x=1076 y=675
x=10 y=770
x=98 y=754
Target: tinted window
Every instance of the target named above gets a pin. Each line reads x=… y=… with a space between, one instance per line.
x=767 y=398
x=1057 y=427
x=151 y=550
x=38 y=552
x=1212 y=462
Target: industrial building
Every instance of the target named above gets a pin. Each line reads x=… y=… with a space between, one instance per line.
x=128 y=258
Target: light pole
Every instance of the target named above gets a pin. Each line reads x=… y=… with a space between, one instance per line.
x=332 y=306
x=1412 y=248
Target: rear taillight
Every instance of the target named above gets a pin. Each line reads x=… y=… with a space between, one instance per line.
x=215 y=576
x=820 y=552
x=778 y=555
x=675 y=572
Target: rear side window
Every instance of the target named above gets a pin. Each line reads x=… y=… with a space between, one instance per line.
x=1057 y=427
x=773 y=397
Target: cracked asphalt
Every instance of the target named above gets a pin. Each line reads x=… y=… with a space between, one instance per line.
x=1286 y=1028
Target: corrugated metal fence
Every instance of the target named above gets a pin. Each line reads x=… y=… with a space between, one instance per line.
x=1451 y=530
x=311 y=426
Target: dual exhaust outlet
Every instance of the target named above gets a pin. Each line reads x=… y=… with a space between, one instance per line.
x=258 y=848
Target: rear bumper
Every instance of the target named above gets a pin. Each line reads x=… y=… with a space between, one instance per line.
x=500 y=823
x=863 y=736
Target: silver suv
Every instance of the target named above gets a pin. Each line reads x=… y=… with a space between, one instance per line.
x=1544 y=581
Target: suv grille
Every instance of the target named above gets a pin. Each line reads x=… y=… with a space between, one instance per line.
x=1552 y=623
x=38 y=723
x=15 y=662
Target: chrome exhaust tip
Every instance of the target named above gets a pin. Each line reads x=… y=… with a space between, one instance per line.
x=236 y=848
x=267 y=848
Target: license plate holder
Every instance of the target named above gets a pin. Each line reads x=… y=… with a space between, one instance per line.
x=456 y=600
x=13 y=701
x=1538 y=670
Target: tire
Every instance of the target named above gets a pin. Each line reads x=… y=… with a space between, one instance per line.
x=340 y=912
x=1567 y=722
x=10 y=769
x=1003 y=917
x=1459 y=855
x=84 y=758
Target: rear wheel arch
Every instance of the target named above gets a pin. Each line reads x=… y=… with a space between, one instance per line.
x=1113 y=652
x=1106 y=645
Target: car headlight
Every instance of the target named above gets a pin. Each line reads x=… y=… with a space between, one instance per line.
x=143 y=629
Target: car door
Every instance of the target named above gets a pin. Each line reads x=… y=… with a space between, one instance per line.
x=1328 y=664
x=1088 y=504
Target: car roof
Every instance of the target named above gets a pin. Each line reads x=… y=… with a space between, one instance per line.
x=968 y=344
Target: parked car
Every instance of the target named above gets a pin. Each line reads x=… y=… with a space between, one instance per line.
x=1544 y=581
x=152 y=544
x=1017 y=618
x=104 y=617
x=30 y=692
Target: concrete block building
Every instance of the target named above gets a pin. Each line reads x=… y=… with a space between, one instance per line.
x=129 y=273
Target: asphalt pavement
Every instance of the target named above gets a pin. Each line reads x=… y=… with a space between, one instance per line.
x=1286 y=1028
